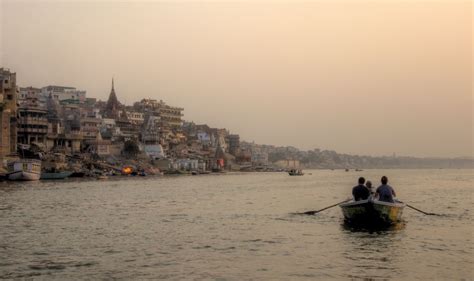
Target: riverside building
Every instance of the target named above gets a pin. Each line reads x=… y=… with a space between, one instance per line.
x=170 y=116
x=8 y=113
x=63 y=94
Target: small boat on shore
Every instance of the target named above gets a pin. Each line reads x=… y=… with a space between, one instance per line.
x=295 y=172
x=24 y=170
x=55 y=175
x=372 y=212
x=77 y=175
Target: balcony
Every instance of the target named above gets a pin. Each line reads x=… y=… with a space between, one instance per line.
x=33 y=121
x=33 y=130
x=90 y=129
x=151 y=138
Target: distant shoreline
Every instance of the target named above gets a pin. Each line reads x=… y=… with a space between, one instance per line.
x=168 y=176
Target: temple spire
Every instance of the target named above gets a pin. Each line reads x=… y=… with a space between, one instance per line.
x=113 y=105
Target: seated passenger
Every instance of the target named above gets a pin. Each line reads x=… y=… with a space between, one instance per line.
x=385 y=192
x=360 y=192
x=369 y=186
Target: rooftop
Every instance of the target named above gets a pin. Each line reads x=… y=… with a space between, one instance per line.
x=58 y=88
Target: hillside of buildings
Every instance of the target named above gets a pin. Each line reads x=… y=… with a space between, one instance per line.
x=327 y=159
x=62 y=122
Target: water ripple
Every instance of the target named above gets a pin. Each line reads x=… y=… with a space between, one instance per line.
x=232 y=227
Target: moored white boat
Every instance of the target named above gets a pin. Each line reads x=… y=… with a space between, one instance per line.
x=24 y=170
x=372 y=211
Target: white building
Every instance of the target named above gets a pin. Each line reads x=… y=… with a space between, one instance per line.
x=188 y=164
x=259 y=158
x=136 y=118
x=61 y=93
x=204 y=138
x=108 y=123
x=154 y=151
x=28 y=94
x=108 y=126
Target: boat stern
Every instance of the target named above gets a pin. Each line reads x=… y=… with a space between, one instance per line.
x=372 y=212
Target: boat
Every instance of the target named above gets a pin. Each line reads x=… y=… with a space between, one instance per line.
x=102 y=177
x=77 y=175
x=24 y=170
x=295 y=172
x=372 y=212
x=55 y=175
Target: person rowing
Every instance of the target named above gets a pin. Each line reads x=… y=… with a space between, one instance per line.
x=385 y=192
x=360 y=191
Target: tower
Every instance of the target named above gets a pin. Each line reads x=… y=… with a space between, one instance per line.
x=113 y=105
x=8 y=112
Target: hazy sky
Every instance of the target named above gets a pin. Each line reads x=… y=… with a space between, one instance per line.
x=359 y=77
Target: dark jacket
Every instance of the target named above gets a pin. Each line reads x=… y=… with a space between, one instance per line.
x=360 y=192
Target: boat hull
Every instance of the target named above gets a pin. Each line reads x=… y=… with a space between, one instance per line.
x=24 y=170
x=55 y=176
x=77 y=175
x=372 y=212
x=23 y=176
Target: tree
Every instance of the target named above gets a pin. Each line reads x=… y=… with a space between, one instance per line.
x=131 y=148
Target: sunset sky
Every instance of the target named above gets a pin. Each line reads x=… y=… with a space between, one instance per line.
x=358 y=77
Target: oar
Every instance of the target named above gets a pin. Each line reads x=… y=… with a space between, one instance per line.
x=320 y=210
x=423 y=212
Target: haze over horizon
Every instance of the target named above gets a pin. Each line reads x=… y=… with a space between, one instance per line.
x=366 y=78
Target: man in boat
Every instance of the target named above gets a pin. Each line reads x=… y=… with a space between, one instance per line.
x=385 y=192
x=360 y=191
x=369 y=186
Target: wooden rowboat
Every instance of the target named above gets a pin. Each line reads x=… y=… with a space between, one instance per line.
x=372 y=212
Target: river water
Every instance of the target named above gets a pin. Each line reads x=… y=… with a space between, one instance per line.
x=234 y=227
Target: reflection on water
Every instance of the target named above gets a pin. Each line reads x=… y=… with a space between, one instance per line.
x=373 y=252
x=234 y=226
